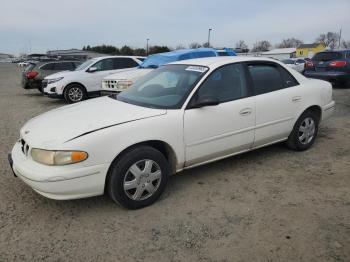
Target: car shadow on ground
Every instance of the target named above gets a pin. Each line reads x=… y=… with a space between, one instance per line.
x=186 y=179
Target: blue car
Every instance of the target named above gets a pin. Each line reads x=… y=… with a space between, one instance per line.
x=156 y=60
x=332 y=66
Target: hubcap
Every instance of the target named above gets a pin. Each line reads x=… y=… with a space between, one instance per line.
x=142 y=180
x=75 y=94
x=306 y=131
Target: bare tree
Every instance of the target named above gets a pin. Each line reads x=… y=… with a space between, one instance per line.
x=194 y=45
x=180 y=46
x=330 y=39
x=241 y=45
x=345 y=44
x=289 y=42
x=261 y=46
x=206 y=44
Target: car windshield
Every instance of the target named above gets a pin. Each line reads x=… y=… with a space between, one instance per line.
x=154 y=61
x=85 y=65
x=166 y=88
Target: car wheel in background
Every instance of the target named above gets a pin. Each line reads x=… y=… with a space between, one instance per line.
x=304 y=132
x=138 y=177
x=74 y=93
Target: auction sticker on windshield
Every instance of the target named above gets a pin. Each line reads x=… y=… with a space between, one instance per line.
x=200 y=69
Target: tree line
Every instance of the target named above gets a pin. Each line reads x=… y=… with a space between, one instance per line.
x=329 y=39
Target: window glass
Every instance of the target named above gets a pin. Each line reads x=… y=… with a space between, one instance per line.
x=300 y=61
x=327 y=56
x=105 y=64
x=288 y=79
x=48 y=67
x=120 y=63
x=166 y=87
x=266 y=78
x=63 y=66
x=226 y=83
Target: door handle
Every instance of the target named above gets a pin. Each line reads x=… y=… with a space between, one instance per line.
x=296 y=98
x=245 y=112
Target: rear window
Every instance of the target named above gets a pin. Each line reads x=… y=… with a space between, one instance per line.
x=29 y=67
x=327 y=56
x=48 y=66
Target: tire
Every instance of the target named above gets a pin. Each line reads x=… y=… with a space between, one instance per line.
x=74 y=93
x=138 y=177
x=304 y=131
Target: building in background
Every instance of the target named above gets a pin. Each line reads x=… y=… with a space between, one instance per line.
x=5 y=58
x=308 y=50
x=73 y=54
x=280 y=53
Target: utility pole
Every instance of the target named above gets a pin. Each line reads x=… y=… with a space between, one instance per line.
x=147 y=47
x=209 y=36
x=339 y=39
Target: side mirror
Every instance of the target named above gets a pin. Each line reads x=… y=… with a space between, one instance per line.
x=206 y=100
x=92 y=69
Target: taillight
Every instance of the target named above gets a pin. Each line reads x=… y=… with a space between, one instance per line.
x=309 y=64
x=31 y=74
x=337 y=63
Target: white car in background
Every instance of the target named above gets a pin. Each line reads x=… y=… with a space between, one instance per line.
x=179 y=116
x=85 y=80
x=297 y=64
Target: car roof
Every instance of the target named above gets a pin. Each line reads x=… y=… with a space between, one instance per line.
x=56 y=61
x=180 y=52
x=213 y=62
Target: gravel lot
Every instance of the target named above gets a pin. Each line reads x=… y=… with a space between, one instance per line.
x=272 y=204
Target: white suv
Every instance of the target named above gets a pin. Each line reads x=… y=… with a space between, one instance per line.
x=75 y=86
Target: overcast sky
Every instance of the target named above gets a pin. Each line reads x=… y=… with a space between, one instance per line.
x=41 y=25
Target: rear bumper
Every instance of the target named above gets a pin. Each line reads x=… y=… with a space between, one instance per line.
x=331 y=76
x=31 y=83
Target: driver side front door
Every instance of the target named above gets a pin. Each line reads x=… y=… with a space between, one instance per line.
x=213 y=132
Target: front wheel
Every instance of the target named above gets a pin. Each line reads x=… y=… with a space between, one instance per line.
x=304 y=132
x=74 y=94
x=138 y=178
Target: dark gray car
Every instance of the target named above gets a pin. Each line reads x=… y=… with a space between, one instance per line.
x=34 y=73
x=332 y=66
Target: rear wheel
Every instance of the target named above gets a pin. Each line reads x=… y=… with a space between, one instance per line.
x=304 y=132
x=138 y=178
x=74 y=93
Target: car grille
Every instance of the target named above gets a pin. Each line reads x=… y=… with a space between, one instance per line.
x=24 y=147
x=44 y=84
x=110 y=84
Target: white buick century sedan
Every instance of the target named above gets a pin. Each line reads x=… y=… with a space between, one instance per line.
x=179 y=116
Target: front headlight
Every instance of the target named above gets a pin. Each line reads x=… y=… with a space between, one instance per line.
x=54 y=80
x=58 y=158
x=124 y=84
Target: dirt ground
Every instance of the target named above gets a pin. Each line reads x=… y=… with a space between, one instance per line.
x=272 y=204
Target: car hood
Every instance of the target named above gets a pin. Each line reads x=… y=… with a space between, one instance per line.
x=129 y=75
x=68 y=122
x=62 y=74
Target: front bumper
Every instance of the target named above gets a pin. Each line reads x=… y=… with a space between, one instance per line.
x=61 y=183
x=330 y=76
x=107 y=93
x=53 y=95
